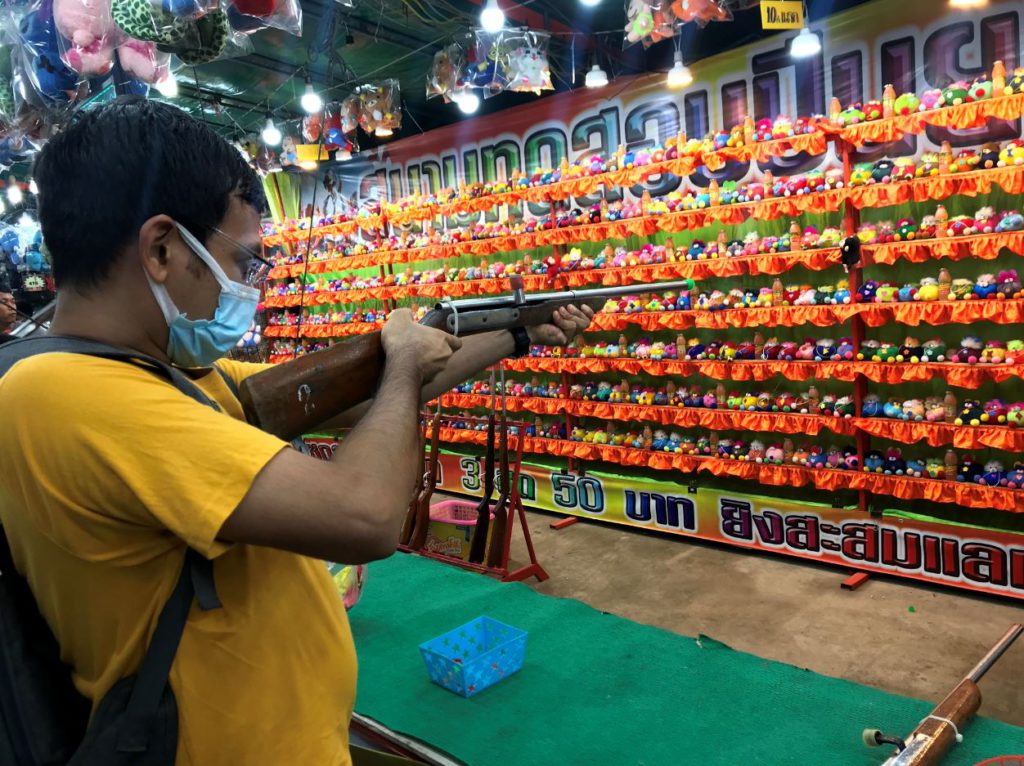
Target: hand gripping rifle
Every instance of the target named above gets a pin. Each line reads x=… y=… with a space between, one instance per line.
x=294 y=398
x=928 y=744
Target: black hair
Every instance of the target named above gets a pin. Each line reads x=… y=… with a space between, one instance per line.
x=114 y=167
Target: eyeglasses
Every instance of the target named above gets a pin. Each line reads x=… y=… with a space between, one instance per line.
x=255 y=271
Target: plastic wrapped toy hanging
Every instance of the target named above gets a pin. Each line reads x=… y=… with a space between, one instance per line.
x=527 y=67
x=349 y=113
x=40 y=76
x=702 y=12
x=380 y=108
x=248 y=16
x=648 y=22
x=87 y=35
x=486 y=63
x=194 y=40
x=443 y=77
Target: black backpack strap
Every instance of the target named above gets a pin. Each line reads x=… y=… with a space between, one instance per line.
x=196 y=580
x=15 y=351
x=228 y=381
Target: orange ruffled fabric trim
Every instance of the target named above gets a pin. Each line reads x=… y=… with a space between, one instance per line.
x=936 y=490
x=811 y=143
x=718 y=420
x=974 y=115
x=367 y=223
x=959 y=375
x=939 y=434
x=983 y=246
x=971 y=184
x=322 y=330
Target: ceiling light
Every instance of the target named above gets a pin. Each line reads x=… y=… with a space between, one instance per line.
x=679 y=76
x=168 y=87
x=590 y=3
x=805 y=45
x=962 y=4
x=14 y=194
x=596 y=77
x=32 y=186
x=492 y=18
x=271 y=133
x=343 y=154
x=383 y=132
x=468 y=101
x=311 y=100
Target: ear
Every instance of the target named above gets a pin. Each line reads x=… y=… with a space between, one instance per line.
x=155 y=237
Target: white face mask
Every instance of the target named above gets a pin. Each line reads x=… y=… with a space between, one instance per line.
x=200 y=342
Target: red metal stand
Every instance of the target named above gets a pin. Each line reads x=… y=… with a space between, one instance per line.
x=855 y=580
x=515 y=509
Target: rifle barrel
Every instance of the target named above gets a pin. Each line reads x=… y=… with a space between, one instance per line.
x=566 y=295
x=995 y=653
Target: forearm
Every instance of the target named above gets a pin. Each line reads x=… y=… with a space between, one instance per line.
x=478 y=352
x=385 y=443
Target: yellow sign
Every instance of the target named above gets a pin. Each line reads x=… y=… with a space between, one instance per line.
x=782 y=14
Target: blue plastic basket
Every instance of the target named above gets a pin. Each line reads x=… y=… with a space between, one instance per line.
x=474 y=656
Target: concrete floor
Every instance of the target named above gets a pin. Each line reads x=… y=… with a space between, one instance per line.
x=786 y=610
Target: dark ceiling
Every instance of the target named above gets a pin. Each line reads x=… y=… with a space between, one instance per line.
x=343 y=46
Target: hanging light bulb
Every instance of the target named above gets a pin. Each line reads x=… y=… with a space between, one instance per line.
x=679 y=76
x=596 y=77
x=311 y=100
x=33 y=186
x=343 y=154
x=964 y=4
x=492 y=18
x=382 y=132
x=168 y=87
x=805 y=45
x=467 y=100
x=14 y=195
x=590 y=3
x=271 y=133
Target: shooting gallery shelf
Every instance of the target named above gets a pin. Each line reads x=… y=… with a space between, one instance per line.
x=695 y=153
x=707 y=266
x=827 y=479
x=959 y=375
x=877 y=195
x=935 y=434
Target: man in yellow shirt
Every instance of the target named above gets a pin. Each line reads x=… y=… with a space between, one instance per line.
x=108 y=472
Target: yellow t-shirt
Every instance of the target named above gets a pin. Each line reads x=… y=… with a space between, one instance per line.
x=105 y=469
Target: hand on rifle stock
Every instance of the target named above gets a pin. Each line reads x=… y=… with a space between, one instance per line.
x=566 y=323
x=404 y=338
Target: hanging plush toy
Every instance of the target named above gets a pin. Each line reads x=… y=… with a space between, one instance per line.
x=194 y=41
x=54 y=82
x=350 y=113
x=443 y=78
x=701 y=11
x=90 y=34
x=143 y=61
x=312 y=125
x=528 y=69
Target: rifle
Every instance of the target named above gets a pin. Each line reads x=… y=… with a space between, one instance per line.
x=291 y=399
x=410 y=516
x=483 y=510
x=936 y=734
x=496 y=548
x=421 y=520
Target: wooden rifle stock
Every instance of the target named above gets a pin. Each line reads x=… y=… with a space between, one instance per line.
x=422 y=519
x=933 y=738
x=410 y=516
x=291 y=399
x=478 y=546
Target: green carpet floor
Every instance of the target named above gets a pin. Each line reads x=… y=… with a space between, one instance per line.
x=598 y=690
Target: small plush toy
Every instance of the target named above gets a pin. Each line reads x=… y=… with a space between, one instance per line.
x=55 y=82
